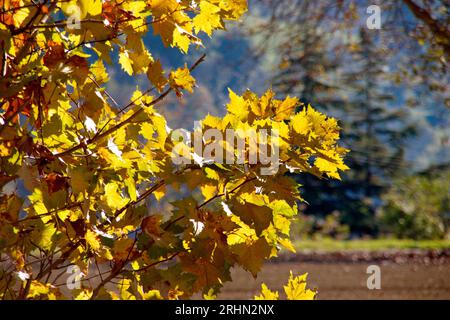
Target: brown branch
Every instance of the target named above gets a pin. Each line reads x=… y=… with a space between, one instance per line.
x=23 y=292
x=27 y=45
x=126 y=121
x=222 y=194
x=57 y=262
x=208 y=201
x=149 y=191
x=114 y=273
x=437 y=29
x=120 y=267
x=38 y=7
x=142 y=197
x=115 y=36
x=111 y=276
x=12 y=9
x=173 y=222
x=13 y=115
x=63 y=23
x=8 y=282
x=38 y=216
x=157 y=262
x=106 y=91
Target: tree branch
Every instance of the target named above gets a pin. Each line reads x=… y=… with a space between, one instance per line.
x=126 y=121
x=438 y=30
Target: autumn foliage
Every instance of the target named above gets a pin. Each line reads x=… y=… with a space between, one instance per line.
x=79 y=174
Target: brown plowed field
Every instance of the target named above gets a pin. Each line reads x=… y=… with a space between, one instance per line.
x=404 y=275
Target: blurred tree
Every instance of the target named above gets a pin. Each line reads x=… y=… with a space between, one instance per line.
x=418 y=206
x=416 y=32
x=327 y=55
x=434 y=14
x=374 y=129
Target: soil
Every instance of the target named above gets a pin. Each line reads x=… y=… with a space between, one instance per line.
x=405 y=274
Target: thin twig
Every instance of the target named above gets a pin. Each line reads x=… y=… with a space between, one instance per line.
x=126 y=121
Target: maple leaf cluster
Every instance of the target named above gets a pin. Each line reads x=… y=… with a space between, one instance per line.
x=79 y=174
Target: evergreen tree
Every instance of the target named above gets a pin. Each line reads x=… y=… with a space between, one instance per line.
x=308 y=66
x=357 y=89
x=374 y=128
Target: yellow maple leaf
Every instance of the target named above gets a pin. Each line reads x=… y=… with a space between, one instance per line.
x=113 y=198
x=182 y=79
x=296 y=289
x=122 y=248
x=243 y=234
x=155 y=74
x=286 y=243
x=140 y=60
x=99 y=70
x=126 y=62
x=208 y=19
x=208 y=191
x=251 y=256
x=267 y=294
x=286 y=108
x=262 y=108
x=234 y=9
x=330 y=167
x=182 y=38
x=237 y=106
x=160 y=125
x=38 y=289
x=300 y=123
x=160 y=193
x=92 y=240
x=81 y=8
